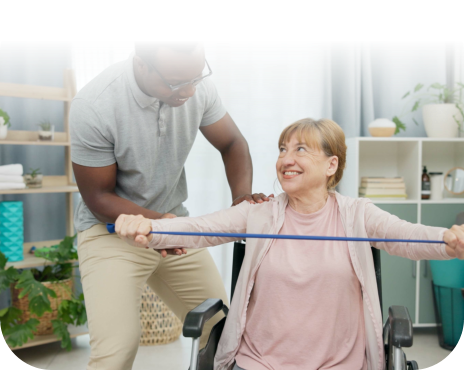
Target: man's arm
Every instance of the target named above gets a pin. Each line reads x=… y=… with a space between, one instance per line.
x=225 y=136
x=96 y=185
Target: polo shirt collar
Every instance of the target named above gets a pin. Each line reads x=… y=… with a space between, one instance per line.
x=142 y=99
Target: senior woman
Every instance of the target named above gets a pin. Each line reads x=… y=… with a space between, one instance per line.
x=303 y=304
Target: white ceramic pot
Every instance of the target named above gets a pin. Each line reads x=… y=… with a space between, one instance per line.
x=439 y=121
x=382 y=127
x=3 y=131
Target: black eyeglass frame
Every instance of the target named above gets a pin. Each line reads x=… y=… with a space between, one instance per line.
x=193 y=82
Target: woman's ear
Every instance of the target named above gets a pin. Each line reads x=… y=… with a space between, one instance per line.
x=333 y=165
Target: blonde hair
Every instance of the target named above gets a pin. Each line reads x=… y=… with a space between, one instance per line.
x=324 y=135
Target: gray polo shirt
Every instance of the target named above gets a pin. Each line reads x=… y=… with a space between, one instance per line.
x=113 y=121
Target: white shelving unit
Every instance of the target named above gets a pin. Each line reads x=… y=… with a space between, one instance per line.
x=369 y=156
x=50 y=184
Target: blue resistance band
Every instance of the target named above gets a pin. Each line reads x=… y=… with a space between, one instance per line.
x=111 y=230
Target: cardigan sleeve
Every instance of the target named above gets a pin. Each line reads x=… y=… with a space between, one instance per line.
x=383 y=225
x=230 y=220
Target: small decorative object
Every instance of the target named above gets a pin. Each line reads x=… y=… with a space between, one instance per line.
x=442 y=109
x=34 y=179
x=382 y=127
x=436 y=185
x=43 y=300
x=454 y=181
x=159 y=324
x=4 y=124
x=46 y=131
x=11 y=230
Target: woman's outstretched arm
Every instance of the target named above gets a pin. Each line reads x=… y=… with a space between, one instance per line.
x=135 y=229
x=381 y=224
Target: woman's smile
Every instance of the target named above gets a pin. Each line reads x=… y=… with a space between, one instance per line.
x=291 y=174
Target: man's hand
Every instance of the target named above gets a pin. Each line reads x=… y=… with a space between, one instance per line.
x=454 y=238
x=135 y=230
x=252 y=198
x=176 y=251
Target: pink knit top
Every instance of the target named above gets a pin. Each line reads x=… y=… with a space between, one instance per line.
x=305 y=310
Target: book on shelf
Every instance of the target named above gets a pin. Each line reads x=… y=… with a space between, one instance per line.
x=385 y=197
x=382 y=179
x=382 y=191
x=383 y=185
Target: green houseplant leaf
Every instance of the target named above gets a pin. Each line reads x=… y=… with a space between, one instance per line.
x=36 y=292
x=9 y=316
x=8 y=276
x=399 y=125
x=19 y=334
x=6 y=118
x=60 y=329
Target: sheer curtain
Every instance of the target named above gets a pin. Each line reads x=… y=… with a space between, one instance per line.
x=268 y=86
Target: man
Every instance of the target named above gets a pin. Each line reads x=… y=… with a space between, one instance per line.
x=132 y=128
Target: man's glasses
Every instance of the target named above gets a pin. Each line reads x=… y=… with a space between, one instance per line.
x=193 y=82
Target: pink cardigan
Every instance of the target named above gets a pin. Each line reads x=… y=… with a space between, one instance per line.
x=360 y=218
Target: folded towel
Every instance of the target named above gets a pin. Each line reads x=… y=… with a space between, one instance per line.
x=12 y=185
x=11 y=169
x=11 y=178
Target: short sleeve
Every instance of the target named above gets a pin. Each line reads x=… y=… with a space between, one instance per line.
x=214 y=110
x=92 y=144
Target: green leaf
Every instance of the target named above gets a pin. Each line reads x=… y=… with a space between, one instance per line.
x=36 y=292
x=399 y=125
x=8 y=277
x=61 y=331
x=405 y=95
x=437 y=86
x=416 y=106
x=9 y=317
x=19 y=334
x=3 y=260
x=72 y=311
x=417 y=124
x=418 y=87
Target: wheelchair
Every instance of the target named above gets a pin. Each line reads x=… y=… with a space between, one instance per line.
x=397 y=330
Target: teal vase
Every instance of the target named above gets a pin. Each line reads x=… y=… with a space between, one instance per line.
x=12 y=230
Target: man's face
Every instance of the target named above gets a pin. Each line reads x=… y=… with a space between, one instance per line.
x=175 y=67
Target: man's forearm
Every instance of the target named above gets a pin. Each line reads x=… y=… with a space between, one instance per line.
x=109 y=206
x=239 y=169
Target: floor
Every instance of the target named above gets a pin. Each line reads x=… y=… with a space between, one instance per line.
x=176 y=355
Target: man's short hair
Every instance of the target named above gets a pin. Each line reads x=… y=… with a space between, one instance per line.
x=147 y=51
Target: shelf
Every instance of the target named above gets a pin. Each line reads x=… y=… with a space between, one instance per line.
x=444 y=201
x=395 y=201
x=34 y=92
x=50 y=184
x=30 y=260
x=74 y=331
x=32 y=138
x=417 y=139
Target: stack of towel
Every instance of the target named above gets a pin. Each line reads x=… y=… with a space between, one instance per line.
x=11 y=177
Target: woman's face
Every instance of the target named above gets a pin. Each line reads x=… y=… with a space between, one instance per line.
x=301 y=169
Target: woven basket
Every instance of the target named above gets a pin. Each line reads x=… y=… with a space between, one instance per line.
x=63 y=290
x=159 y=324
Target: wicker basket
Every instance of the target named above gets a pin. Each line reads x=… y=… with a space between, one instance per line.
x=159 y=324
x=63 y=290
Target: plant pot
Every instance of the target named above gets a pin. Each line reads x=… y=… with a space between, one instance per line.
x=63 y=290
x=33 y=182
x=3 y=132
x=439 y=120
x=47 y=135
x=382 y=127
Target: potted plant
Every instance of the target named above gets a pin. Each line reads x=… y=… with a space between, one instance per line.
x=34 y=179
x=46 y=131
x=4 y=124
x=442 y=109
x=48 y=294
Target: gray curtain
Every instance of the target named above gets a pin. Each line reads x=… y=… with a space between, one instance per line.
x=44 y=214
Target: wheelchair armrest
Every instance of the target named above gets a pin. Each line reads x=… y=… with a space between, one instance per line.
x=195 y=319
x=400 y=326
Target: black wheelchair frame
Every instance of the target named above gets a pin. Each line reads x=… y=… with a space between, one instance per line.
x=397 y=330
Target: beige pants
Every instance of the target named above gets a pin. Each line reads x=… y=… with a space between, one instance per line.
x=113 y=274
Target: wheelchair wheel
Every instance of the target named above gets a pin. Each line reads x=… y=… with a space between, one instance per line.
x=412 y=365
